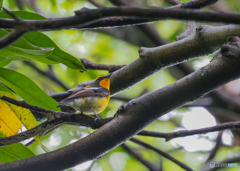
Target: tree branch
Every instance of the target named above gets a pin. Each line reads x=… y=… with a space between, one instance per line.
x=47 y=74
x=190 y=29
x=166 y=155
x=184 y=133
x=55 y=119
x=91 y=65
x=205 y=41
x=131 y=118
x=128 y=13
x=149 y=165
x=228 y=160
x=15 y=34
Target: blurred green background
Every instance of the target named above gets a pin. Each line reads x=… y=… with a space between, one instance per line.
x=104 y=49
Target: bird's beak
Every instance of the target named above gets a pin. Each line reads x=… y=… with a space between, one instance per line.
x=109 y=75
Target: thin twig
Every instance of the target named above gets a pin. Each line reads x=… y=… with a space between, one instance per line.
x=182 y=165
x=47 y=74
x=16 y=18
x=194 y=4
x=49 y=113
x=10 y=38
x=30 y=142
x=216 y=147
x=173 y=2
x=149 y=165
x=15 y=34
x=197 y=4
x=91 y=65
x=184 y=133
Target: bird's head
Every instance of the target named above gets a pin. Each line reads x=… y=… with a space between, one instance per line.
x=103 y=81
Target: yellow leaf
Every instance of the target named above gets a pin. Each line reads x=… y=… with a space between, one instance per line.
x=9 y=122
x=24 y=115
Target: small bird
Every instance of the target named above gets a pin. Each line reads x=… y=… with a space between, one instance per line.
x=92 y=99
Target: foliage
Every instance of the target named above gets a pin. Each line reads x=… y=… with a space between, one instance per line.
x=63 y=50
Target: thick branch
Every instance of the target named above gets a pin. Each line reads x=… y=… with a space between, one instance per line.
x=132 y=118
x=205 y=41
x=89 y=15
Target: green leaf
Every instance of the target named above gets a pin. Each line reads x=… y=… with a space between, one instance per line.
x=57 y=55
x=23 y=50
x=41 y=40
x=14 y=152
x=4 y=63
x=23 y=15
x=4 y=88
x=1 y=1
x=27 y=89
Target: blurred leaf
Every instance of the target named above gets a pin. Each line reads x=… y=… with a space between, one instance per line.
x=41 y=40
x=14 y=152
x=9 y=123
x=4 y=63
x=27 y=89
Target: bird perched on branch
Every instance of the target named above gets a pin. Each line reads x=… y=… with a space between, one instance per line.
x=92 y=99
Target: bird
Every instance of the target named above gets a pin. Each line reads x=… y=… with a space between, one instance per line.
x=92 y=99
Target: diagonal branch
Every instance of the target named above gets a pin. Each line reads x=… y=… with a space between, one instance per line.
x=15 y=34
x=132 y=116
x=149 y=165
x=166 y=155
x=11 y=38
x=47 y=74
x=205 y=41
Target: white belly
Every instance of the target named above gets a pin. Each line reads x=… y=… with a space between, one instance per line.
x=88 y=104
